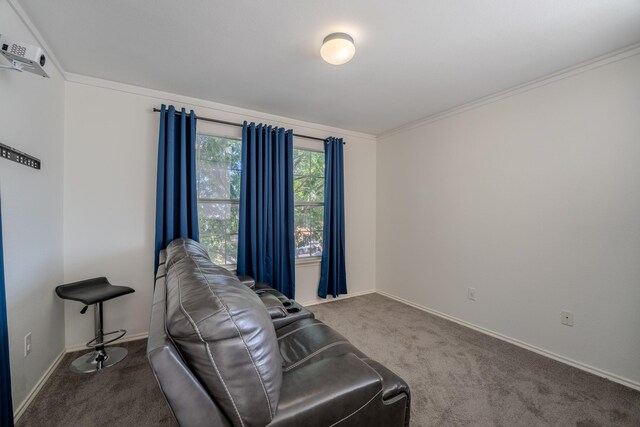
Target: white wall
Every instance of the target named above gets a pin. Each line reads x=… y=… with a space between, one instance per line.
x=534 y=200
x=31 y=120
x=109 y=203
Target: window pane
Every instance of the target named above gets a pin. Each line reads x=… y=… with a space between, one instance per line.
x=214 y=244
x=315 y=190
x=308 y=185
x=212 y=218
x=215 y=210
x=308 y=230
x=300 y=189
x=301 y=216
x=218 y=174
x=234 y=152
x=232 y=249
x=211 y=148
x=234 y=184
x=207 y=183
x=218 y=223
x=316 y=217
x=301 y=161
x=218 y=165
x=234 y=219
x=302 y=244
x=316 y=163
x=315 y=242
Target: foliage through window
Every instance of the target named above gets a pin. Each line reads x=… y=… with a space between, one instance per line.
x=218 y=174
x=308 y=189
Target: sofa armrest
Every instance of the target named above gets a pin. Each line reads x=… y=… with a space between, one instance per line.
x=295 y=312
x=326 y=392
x=274 y=306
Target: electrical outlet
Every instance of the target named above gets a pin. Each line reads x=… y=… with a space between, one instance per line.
x=27 y=344
x=471 y=294
x=566 y=317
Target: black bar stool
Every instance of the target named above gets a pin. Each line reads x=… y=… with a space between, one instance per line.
x=95 y=292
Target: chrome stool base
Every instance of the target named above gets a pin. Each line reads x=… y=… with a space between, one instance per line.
x=97 y=360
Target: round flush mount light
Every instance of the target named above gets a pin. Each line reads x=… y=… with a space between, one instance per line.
x=337 y=48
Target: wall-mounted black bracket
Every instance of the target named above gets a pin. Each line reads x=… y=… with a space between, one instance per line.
x=9 y=153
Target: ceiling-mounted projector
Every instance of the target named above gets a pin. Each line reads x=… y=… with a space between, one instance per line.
x=23 y=57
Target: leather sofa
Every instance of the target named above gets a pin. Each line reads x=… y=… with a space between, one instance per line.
x=229 y=352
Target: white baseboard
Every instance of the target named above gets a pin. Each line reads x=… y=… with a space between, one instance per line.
x=131 y=337
x=22 y=407
x=341 y=297
x=587 y=368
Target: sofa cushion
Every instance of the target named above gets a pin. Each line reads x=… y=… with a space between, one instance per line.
x=225 y=335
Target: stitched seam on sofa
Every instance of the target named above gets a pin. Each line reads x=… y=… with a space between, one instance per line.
x=357 y=410
x=213 y=363
x=315 y=353
x=208 y=316
x=301 y=327
x=264 y=388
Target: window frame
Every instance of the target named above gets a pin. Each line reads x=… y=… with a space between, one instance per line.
x=301 y=261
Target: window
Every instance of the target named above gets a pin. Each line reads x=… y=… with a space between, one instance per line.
x=218 y=174
x=308 y=190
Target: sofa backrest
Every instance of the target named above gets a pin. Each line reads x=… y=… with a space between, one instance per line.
x=224 y=334
x=189 y=401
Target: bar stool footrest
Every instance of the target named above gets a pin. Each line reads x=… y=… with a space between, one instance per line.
x=93 y=343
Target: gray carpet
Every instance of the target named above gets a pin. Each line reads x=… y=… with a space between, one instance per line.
x=125 y=394
x=458 y=377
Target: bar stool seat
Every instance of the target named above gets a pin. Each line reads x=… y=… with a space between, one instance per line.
x=92 y=291
x=95 y=292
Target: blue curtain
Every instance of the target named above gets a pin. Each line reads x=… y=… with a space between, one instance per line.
x=333 y=276
x=6 y=406
x=266 y=245
x=176 y=196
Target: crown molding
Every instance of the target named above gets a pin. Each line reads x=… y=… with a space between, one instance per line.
x=240 y=113
x=609 y=58
x=36 y=34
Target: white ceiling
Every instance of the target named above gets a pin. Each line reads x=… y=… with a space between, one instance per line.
x=414 y=58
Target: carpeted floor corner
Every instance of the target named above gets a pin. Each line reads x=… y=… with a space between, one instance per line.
x=126 y=394
x=458 y=377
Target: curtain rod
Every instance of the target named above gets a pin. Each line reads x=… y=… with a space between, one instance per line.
x=206 y=119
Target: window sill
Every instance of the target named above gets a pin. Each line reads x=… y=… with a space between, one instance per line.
x=308 y=261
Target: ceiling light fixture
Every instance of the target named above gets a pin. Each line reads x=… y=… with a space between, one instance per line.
x=337 y=48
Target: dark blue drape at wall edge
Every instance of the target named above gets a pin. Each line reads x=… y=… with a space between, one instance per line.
x=6 y=406
x=176 y=196
x=333 y=276
x=266 y=244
